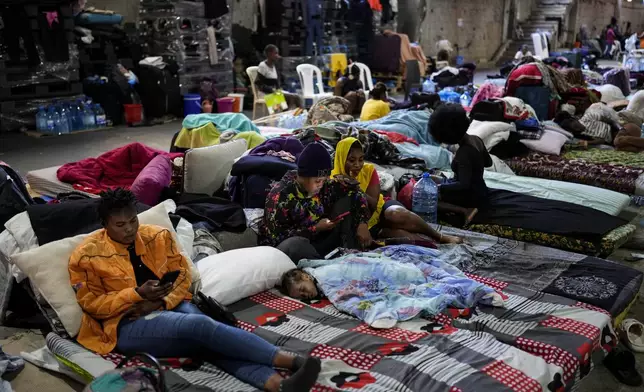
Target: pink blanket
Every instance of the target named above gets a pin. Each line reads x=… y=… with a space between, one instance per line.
x=116 y=168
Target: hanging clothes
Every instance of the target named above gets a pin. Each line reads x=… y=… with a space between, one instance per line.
x=312 y=15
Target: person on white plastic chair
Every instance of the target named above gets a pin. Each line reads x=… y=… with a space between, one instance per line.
x=268 y=79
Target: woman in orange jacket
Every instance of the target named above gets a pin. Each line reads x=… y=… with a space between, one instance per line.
x=115 y=273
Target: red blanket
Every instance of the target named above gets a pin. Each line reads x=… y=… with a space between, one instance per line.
x=116 y=168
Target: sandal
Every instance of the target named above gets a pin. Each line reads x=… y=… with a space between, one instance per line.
x=632 y=334
x=621 y=363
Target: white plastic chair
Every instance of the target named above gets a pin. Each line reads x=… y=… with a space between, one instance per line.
x=365 y=77
x=252 y=75
x=307 y=73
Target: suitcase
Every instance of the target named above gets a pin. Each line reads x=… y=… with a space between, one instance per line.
x=574 y=58
x=159 y=91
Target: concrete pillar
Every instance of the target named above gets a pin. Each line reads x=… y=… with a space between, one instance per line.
x=618 y=11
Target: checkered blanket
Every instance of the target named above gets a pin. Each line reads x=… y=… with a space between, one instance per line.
x=538 y=342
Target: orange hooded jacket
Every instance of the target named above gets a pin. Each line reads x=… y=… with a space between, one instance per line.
x=103 y=278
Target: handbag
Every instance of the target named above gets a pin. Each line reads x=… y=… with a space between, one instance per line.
x=139 y=379
x=213 y=309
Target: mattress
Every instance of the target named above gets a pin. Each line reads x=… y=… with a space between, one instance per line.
x=45 y=182
x=600 y=199
x=535 y=341
x=610 y=202
x=618 y=178
x=608 y=244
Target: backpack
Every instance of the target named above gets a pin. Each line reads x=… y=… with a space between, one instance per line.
x=14 y=197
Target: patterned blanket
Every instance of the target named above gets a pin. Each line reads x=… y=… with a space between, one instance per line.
x=615 y=177
x=539 y=342
x=611 y=157
x=395 y=283
x=509 y=263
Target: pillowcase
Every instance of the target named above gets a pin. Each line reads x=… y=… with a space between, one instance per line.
x=47 y=268
x=149 y=184
x=236 y=274
x=205 y=168
x=550 y=143
x=490 y=132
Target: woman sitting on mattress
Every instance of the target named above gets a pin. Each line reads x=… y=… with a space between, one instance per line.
x=350 y=88
x=308 y=216
x=116 y=275
x=389 y=218
x=467 y=191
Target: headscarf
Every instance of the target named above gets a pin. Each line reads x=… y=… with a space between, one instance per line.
x=364 y=177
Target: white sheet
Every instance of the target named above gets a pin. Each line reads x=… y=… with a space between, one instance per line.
x=600 y=199
x=45 y=182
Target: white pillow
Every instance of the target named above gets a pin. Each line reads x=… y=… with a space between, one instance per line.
x=240 y=273
x=490 y=132
x=550 y=143
x=47 y=268
x=206 y=168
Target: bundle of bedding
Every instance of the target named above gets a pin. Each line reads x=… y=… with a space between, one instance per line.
x=121 y=167
x=556 y=325
x=207 y=129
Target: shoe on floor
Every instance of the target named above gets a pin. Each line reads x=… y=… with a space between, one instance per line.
x=632 y=334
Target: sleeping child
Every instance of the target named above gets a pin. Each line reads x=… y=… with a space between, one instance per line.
x=390 y=284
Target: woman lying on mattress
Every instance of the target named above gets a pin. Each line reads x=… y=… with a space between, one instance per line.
x=389 y=218
x=116 y=275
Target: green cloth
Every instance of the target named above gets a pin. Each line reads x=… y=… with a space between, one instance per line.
x=613 y=157
x=223 y=121
x=203 y=136
x=253 y=139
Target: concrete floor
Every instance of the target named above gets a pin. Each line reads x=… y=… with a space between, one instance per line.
x=24 y=153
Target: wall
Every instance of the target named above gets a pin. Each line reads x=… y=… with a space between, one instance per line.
x=597 y=13
x=524 y=8
x=479 y=36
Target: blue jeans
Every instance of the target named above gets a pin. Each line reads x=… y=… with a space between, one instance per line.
x=186 y=332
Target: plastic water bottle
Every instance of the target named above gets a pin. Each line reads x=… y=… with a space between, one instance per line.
x=41 y=120
x=77 y=112
x=62 y=123
x=67 y=115
x=101 y=120
x=424 y=199
x=89 y=121
x=465 y=99
x=429 y=86
x=51 y=120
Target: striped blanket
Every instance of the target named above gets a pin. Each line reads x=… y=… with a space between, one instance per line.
x=538 y=342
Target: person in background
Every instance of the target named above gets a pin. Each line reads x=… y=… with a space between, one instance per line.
x=350 y=88
x=268 y=80
x=389 y=218
x=116 y=274
x=442 y=59
x=524 y=51
x=467 y=191
x=610 y=41
x=444 y=45
x=307 y=215
x=377 y=106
